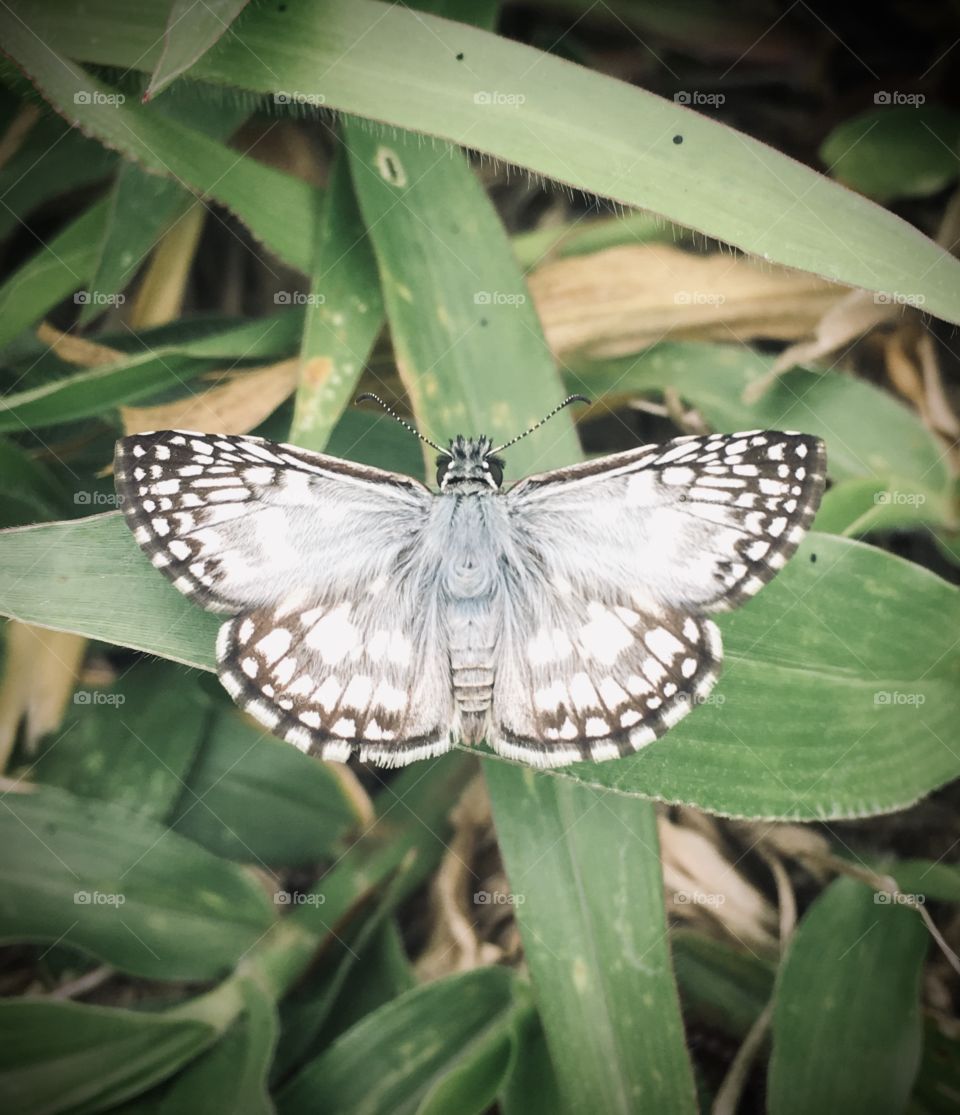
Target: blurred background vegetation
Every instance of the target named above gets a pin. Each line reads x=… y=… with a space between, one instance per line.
x=234 y=217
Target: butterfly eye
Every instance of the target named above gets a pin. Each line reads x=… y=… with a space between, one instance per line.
x=495 y=468
x=443 y=463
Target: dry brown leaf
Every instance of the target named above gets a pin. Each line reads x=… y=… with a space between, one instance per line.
x=17 y=131
x=77 y=350
x=161 y=292
x=41 y=671
x=624 y=299
x=704 y=887
x=454 y=944
x=939 y=412
x=234 y=407
x=902 y=369
x=853 y=315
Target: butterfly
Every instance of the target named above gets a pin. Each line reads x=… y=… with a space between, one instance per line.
x=561 y=619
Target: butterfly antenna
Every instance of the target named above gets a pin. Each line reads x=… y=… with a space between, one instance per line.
x=393 y=414
x=546 y=418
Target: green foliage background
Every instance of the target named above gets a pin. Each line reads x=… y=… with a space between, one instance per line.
x=241 y=999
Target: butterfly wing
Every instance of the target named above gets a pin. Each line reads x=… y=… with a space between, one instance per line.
x=607 y=645
x=238 y=522
x=328 y=644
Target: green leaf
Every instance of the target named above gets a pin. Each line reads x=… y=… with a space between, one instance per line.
x=244 y=780
x=585 y=874
x=720 y=986
x=142 y=207
x=54 y=159
x=531 y=1086
x=342 y=319
x=69 y=1057
x=857 y=507
x=120 y=743
x=28 y=490
x=91 y=392
x=905 y=150
x=394 y=856
x=60 y=266
x=123 y=888
x=532 y=110
x=850 y=981
x=192 y=29
x=437 y=285
x=456 y=1028
x=230 y=1079
x=276 y=207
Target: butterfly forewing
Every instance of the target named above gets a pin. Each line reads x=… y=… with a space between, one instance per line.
x=700 y=523
x=239 y=521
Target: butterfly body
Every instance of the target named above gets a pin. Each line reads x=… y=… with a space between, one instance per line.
x=560 y=619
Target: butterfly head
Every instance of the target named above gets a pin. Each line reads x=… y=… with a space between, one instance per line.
x=469 y=465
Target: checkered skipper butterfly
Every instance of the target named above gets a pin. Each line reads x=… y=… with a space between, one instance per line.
x=561 y=619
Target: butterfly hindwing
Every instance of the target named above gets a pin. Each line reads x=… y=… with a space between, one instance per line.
x=339 y=676
x=596 y=679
